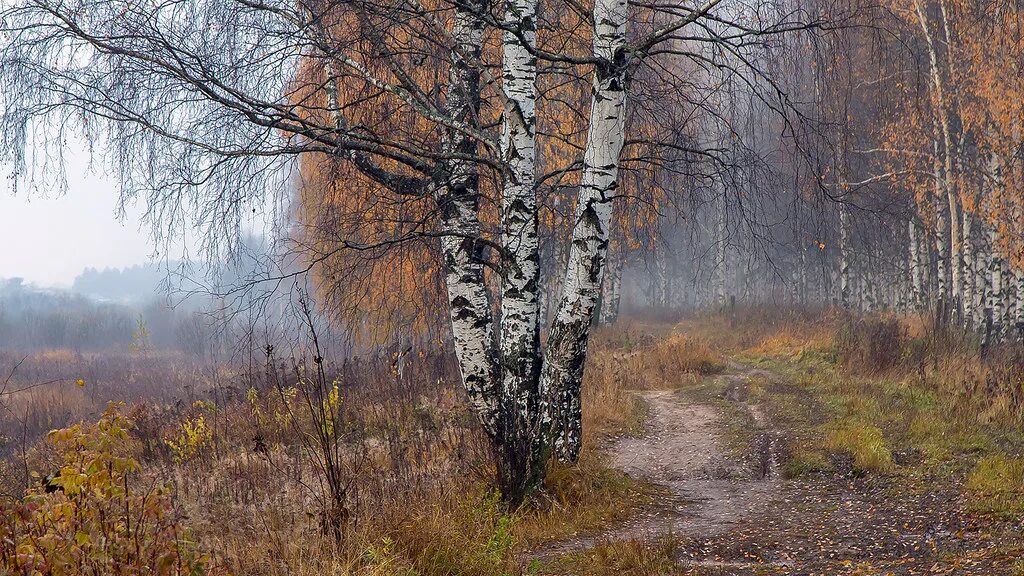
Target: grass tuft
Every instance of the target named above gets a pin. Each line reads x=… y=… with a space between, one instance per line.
x=631 y=557
x=864 y=441
x=996 y=486
x=805 y=463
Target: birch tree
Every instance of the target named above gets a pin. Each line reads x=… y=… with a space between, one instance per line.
x=205 y=107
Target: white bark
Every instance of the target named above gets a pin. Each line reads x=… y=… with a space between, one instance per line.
x=981 y=283
x=567 y=345
x=956 y=260
x=1018 y=309
x=844 y=256
x=721 y=253
x=945 y=176
x=995 y=293
x=802 y=282
x=610 y=288
x=917 y=289
x=970 y=278
x=661 y=281
x=520 y=310
x=941 y=254
x=1006 y=306
x=459 y=201
x=870 y=291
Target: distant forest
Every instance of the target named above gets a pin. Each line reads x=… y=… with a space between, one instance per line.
x=105 y=310
x=134 y=284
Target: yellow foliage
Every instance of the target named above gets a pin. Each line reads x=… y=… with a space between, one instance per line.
x=89 y=519
x=192 y=438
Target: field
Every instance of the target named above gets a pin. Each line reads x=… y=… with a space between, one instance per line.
x=874 y=445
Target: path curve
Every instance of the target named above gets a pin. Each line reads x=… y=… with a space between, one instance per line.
x=709 y=491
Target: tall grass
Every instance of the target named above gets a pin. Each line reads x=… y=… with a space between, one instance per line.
x=417 y=470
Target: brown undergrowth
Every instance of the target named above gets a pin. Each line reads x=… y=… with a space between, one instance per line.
x=228 y=447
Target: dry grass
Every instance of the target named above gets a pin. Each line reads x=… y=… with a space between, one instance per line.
x=41 y=393
x=432 y=511
x=871 y=344
x=671 y=360
x=632 y=557
x=419 y=496
x=608 y=405
x=766 y=329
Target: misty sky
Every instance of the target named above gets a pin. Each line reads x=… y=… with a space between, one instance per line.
x=48 y=238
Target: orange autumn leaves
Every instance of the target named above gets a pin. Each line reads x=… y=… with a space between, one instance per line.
x=372 y=269
x=395 y=280
x=981 y=56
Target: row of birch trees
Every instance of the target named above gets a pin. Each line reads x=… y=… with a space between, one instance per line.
x=893 y=182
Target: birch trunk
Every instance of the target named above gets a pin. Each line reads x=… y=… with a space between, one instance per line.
x=981 y=284
x=995 y=292
x=1018 y=309
x=945 y=184
x=458 y=199
x=970 y=278
x=567 y=344
x=941 y=257
x=722 y=253
x=1005 y=296
x=956 y=262
x=610 y=289
x=802 y=286
x=844 y=256
x=459 y=202
x=917 y=289
x=661 y=280
x=520 y=309
x=870 y=291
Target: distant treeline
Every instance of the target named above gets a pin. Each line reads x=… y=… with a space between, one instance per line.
x=33 y=319
x=139 y=283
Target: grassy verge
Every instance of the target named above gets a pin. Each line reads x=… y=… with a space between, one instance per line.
x=882 y=398
x=460 y=527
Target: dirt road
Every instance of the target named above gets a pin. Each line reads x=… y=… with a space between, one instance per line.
x=709 y=490
x=728 y=511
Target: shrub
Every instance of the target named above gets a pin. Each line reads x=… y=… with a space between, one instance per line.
x=89 y=519
x=872 y=344
x=680 y=354
x=191 y=439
